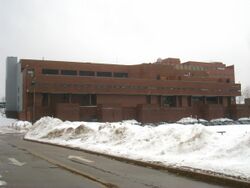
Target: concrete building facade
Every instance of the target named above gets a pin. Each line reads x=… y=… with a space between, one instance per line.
x=166 y=90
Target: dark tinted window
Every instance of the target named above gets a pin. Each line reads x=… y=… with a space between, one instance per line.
x=93 y=99
x=87 y=73
x=88 y=100
x=45 y=99
x=50 y=71
x=121 y=74
x=104 y=74
x=69 y=72
x=148 y=98
x=65 y=98
x=169 y=101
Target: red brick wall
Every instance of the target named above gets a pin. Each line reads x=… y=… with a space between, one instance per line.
x=88 y=113
x=213 y=111
x=110 y=113
x=68 y=111
x=129 y=113
x=126 y=98
x=239 y=111
x=152 y=113
x=123 y=100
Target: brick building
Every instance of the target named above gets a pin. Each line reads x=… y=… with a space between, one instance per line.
x=166 y=90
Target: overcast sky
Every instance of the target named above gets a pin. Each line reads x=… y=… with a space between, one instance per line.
x=127 y=31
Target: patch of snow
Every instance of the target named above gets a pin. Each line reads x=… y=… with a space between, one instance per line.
x=9 y=125
x=221 y=120
x=2 y=112
x=21 y=126
x=244 y=119
x=6 y=121
x=195 y=146
x=5 y=125
x=188 y=120
x=2 y=183
x=202 y=121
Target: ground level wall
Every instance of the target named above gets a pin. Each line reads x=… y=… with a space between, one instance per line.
x=149 y=108
x=142 y=113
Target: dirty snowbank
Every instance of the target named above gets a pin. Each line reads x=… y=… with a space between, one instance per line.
x=193 y=146
x=9 y=125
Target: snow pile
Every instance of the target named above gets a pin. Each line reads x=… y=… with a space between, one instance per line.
x=21 y=126
x=2 y=112
x=193 y=146
x=9 y=125
x=5 y=124
x=44 y=126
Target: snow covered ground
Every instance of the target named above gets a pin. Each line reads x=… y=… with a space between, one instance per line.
x=8 y=125
x=2 y=183
x=223 y=149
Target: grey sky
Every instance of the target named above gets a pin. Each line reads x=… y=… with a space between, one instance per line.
x=127 y=31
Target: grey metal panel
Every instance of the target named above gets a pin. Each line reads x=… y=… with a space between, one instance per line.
x=11 y=84
x=19 y=88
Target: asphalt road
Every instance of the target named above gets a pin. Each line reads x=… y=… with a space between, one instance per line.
x=29 y=164
x=20 y=169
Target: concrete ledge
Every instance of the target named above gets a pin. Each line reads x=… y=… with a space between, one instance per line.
x=197 y=174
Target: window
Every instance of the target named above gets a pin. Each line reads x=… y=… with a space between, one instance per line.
x=197 y=100
x=148 y=99
x=121 y=74
x=189 y=101
x=104 y=74
x=169 y=101
x=69 y=72
x=66 y=98
x=88 y=100
x=45 y=99
x=93 y=99
x=212 y=100
x=87 y=73
x=50 y=71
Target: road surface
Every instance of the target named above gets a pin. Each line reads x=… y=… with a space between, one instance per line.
x=29 y=164
x=20 y=169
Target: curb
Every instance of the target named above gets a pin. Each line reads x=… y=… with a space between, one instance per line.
x=197 y=174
